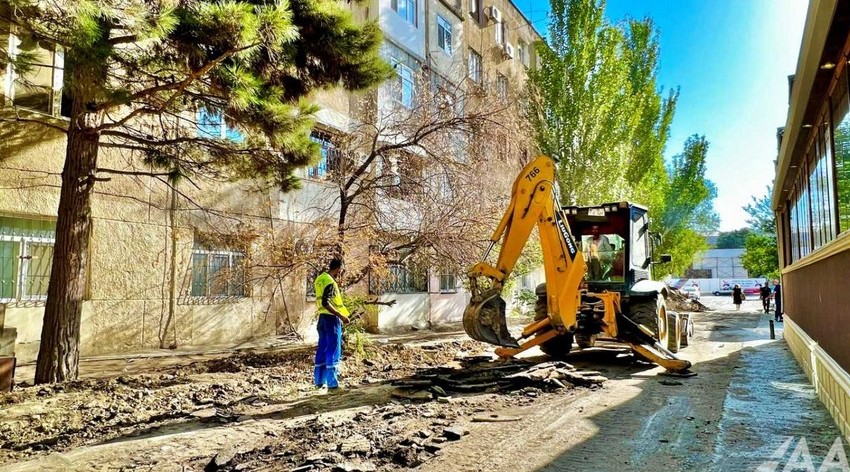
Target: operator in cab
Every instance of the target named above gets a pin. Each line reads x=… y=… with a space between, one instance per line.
x=333 y=315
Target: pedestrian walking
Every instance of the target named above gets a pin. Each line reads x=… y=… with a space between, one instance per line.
x=777 y=297
x=737 y=296
x=332 y=316
x=764 y=294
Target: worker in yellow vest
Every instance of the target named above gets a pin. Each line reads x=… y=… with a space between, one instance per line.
x=332 y=316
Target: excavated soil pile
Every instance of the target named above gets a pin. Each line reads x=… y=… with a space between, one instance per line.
x=678 y=301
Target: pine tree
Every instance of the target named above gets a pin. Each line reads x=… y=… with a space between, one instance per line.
x=138 y=71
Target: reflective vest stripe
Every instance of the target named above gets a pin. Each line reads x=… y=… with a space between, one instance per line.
x=323 y=281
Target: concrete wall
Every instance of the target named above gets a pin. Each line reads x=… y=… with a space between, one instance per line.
x=130 y=305
x=127 y=306
x=482 y=38
x=452 y=67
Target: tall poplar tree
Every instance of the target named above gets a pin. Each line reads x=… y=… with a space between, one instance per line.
x=595 y=104
x=137 y=72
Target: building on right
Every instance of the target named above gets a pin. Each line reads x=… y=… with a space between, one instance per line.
x=811 y=200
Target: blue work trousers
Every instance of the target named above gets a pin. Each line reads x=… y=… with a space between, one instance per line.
x=329 y=351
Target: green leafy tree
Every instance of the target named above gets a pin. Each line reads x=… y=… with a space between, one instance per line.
x=761 y=258
x=762 y=219
x=688 y=212
x=732 y=239
x=761 y=255
x=596 y=107
x=137 y=72
x=594 y=102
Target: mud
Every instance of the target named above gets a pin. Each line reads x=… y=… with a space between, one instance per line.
x=434 y=406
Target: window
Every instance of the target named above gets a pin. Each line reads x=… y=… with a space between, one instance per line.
x=402 y=278
x=444 y=35
x=841 y=138
x=448 y=283
x=641 y=240
x=404 y=88
x=476 y=10
x=211 y=124
x=475 y=72
x=820 y=185
x=502 y=87
x=217 y=270
x=406 y=9
x=329 y=155
x=522 y=52
x=40 y=87
x=26 y=255
x=499 y=28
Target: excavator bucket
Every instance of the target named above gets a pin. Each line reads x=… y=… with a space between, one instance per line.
x=484 y=320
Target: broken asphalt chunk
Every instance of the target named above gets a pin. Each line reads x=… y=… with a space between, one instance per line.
x=454 y=433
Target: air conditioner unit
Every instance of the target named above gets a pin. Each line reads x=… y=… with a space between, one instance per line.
x=509 y=50
x=495 y=14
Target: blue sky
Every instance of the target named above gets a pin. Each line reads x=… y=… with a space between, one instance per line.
x=731 y=59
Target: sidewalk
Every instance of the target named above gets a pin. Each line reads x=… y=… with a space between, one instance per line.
x=772 y=417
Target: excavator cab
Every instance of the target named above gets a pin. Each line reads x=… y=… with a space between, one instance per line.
x=616 y=243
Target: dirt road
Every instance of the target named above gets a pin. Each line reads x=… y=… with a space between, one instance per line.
x=257 y=413
x=749 y=396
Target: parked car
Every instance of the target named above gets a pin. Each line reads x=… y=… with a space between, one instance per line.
x=752 y=291
x=723 y=291
x=692 y=291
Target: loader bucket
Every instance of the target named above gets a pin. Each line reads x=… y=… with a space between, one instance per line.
x=484 y=320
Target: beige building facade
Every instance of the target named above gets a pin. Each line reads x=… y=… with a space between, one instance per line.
x=166 y=269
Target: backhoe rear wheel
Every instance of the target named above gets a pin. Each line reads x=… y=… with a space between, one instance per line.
x=652 y=314
x=558 y=346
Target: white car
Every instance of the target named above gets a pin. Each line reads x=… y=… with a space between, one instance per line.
x=692 y=291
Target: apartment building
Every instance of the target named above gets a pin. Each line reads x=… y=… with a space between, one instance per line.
x=811 y=199
x=158 y=277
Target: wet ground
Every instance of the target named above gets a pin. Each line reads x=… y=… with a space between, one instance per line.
x=747 y=409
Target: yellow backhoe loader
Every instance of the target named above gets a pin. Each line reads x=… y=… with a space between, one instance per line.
x=598 y=285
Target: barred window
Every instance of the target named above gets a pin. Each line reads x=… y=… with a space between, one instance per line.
x=26 y=256
x=217 y=271
x=402 y=279
x=448 y=283
x=329 y=160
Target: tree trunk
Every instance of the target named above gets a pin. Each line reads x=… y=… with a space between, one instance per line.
x=58 y=355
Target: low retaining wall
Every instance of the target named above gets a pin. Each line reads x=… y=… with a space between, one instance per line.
x=831 y=382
